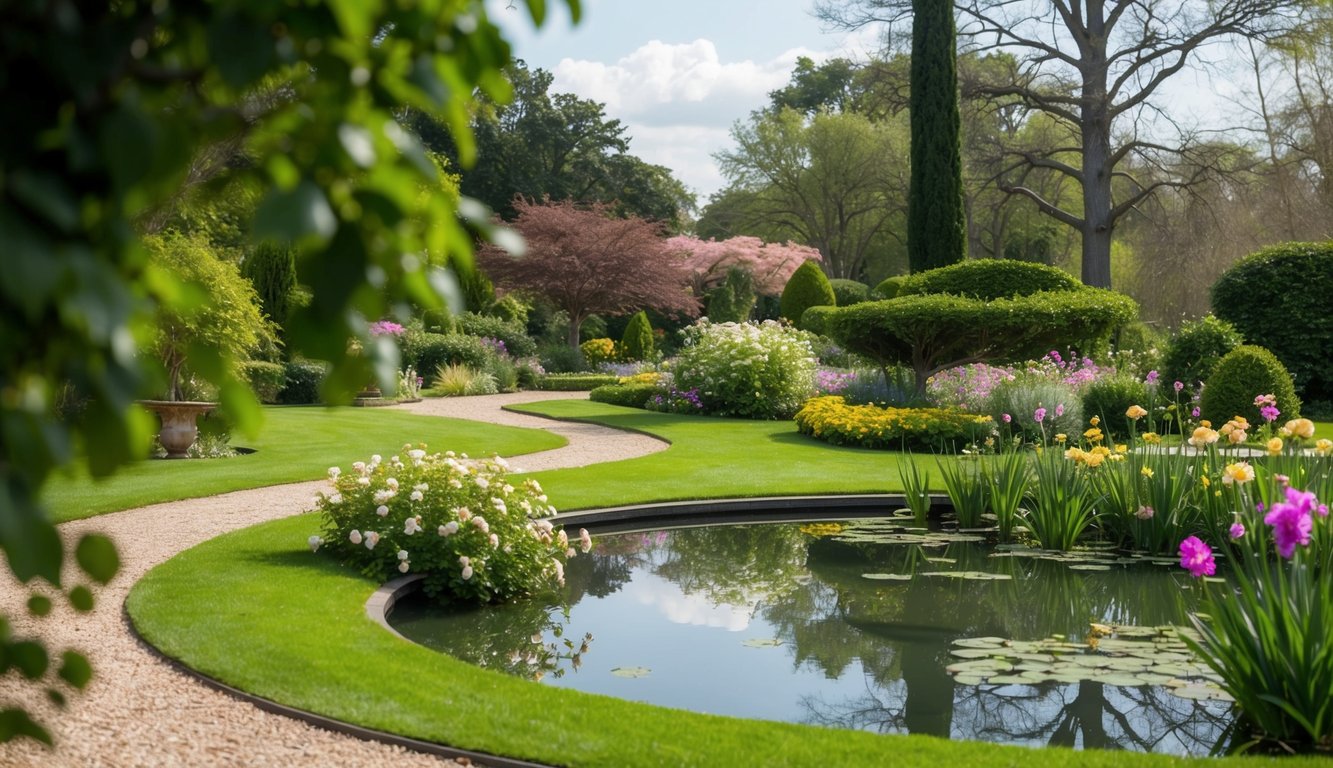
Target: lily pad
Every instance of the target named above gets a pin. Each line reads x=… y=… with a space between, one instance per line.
x=970 y=575
x=1089 y=567
x=980 y=642
x=761 y=642
x=1009 y=680
x=887 y=576
x=631 y=672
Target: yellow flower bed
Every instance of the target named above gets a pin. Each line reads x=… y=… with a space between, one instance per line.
x=831 y=419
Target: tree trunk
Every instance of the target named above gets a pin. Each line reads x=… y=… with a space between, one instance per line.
x=575 y=323
x=1095 y=126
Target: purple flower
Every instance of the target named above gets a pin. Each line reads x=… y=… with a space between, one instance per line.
x=1151 y=379
x=1039 y=415
x=1270 y=413
x=1179 y=385
x=1292 y=521
x=1195 y=413
x=1236 y=531
x=1197 y=557
x=386 y=328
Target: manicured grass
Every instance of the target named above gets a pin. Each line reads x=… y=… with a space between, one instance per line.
x=295 y=444
x=295 y=629
x=296 y=632
x=714 y=458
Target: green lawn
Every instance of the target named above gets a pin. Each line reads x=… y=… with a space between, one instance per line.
x=295 y=629
x=295 y=444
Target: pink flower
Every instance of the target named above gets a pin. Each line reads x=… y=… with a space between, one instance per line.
x=1039 y=415
x=1236 y=531
x=1195 y=413
x=1179 y=385
x=1151 y=378
x=1292 y=521
x=1006 y=418
x=1145 y=513
x=1059 y=410
x=1270 y=413
x=1197 y=558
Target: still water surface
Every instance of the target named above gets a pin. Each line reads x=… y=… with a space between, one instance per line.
x=779 y=622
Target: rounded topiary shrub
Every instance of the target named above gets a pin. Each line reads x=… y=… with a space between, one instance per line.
x=849 y=292
x=890 y=287
x=988 y=279
x=1243 y=374
x=637 y=341
x=763 y=371
x=815 y=319
x=1194 y=351
x=1278 y=297
x=808 y=287
x=1109 y=397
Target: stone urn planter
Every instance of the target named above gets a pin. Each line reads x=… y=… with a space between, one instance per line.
x=179 y=423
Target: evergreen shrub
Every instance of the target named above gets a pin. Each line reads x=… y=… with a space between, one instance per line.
x=1278 y=297
x=849 y=292
x=637 y=341
x=1108 y=397
x=628 y=395
x=1243 y=374
x=301 y=382
x=266 y=379
x=511 y=332
x=807 y=287
x=1193 y=352
x=988 y=279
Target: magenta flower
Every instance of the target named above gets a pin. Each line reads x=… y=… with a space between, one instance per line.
x=1179 y=385
x=1292 y=521
x=1151 y=378
x=1006 y=418
x=1270 y=413
x=1059 y=410
x=1195 y=413
x=1197 y=557
x=1039 y=415
x=1237 y=530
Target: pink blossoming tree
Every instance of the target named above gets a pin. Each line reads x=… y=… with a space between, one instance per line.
x=769 y=264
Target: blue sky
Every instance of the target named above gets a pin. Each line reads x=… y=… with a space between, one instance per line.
x=679 y=74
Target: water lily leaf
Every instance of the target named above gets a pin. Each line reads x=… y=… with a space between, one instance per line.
x=1089 y=567
x=970 y=575
x=969 y=679
x=972 y=653
x=761 y=642
x=1009 y=680
x=887 y=576
x=979 y=642
x=1195 y=692
x=1123 y=679
x=948 y=560
x=631 y=672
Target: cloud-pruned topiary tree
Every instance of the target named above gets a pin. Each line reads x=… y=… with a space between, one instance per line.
x=931 y=332
x=808 y=287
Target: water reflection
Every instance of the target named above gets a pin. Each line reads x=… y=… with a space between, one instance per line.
x=774 y=622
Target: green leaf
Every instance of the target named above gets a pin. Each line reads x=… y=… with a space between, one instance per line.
x=75 y=669
x=97 y=557
x=81 y=598
x=537 y=9
x=57 y=698
x=30 y=541
x=301 y=216
x=15 y=723
x=30 y=658
x=39 y=605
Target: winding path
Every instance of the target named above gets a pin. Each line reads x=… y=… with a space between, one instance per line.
x=139 y=711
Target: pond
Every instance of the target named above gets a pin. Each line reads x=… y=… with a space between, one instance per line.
x=866 y=624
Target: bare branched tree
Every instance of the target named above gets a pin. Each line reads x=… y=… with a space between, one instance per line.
x=1096 y=67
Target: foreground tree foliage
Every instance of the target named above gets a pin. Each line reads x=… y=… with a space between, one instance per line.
x=119 y=101
x=588 y=263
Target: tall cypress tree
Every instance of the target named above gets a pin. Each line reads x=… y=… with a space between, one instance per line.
x=936 y=224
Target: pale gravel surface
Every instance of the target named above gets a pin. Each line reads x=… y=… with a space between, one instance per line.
x=138 y=711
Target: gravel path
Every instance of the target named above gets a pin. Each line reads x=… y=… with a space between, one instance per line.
x=138 y=711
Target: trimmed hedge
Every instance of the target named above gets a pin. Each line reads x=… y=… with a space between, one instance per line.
x=988 y=279
x=1277 y=297
x=628 y=395
x=807 y=287
x=429 y=351
x=513 y=333
x=266 y=379
x=1193 y=353
x=832 y=420
x=849 y=292
x=575 y=382
x=938 y=331
x=637 y=341
x=815 y=319
x=890 y=287
x=1243 y=374
x=301 y=382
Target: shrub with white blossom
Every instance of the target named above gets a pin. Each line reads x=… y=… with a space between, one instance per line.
x=476 y=537
x=754 y=371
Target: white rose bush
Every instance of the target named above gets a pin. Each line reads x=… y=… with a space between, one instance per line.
x=747 y=370
x=476 y=537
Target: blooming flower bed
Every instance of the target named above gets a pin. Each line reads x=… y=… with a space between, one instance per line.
x=476 y=537
x=754 y=371
x=831 y=419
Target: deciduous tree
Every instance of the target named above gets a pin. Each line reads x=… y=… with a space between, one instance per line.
x=770 y=264
x=587 y=262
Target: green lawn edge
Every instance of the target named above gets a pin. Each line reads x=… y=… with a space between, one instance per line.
x=294 y=444
x=275 y=603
